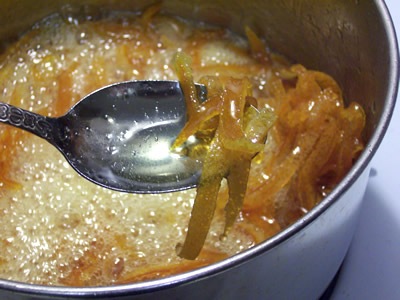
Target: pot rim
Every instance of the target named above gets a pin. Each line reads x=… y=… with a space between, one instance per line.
x=175 y=280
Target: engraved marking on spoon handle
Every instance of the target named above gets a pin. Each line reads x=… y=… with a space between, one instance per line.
x=23 y=119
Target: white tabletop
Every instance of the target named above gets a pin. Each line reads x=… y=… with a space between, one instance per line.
x=372 y=267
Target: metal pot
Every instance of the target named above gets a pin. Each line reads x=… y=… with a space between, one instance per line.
x=354 y=41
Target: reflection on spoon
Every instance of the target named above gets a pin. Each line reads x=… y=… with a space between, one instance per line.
x=120 y=136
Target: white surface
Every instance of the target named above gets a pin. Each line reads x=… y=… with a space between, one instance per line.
x=372 y=266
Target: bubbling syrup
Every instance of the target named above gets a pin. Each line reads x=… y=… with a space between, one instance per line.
x=59 y=229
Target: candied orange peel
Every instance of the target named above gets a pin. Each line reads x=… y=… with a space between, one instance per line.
x=312 y=144
x=238 y=136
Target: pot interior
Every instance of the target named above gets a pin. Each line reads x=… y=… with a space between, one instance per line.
x=347 y=39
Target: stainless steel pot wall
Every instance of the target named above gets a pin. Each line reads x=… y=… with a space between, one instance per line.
x=353 y=41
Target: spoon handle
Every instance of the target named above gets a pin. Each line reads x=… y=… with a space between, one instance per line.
x=37 y=124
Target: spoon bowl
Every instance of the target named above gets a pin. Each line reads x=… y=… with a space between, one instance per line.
x=120 y=136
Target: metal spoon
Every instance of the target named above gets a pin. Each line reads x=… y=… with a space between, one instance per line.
x=119 y=136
